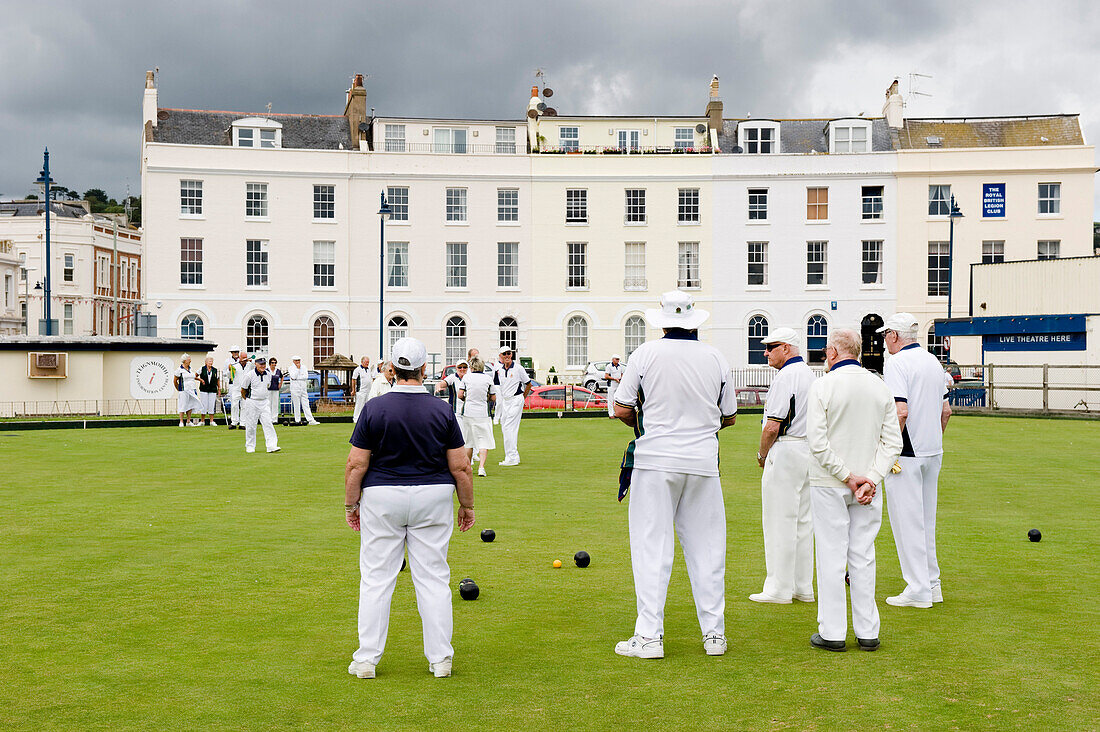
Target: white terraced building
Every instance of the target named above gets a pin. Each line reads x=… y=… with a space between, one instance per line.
x=550 y=233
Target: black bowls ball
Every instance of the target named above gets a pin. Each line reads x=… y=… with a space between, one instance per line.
x=488 y=535
x=582 y=559
x=468 y=589
x=1035 y=535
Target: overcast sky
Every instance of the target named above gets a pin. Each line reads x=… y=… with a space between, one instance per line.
x=73 y=71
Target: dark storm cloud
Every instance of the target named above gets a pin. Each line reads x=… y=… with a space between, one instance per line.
x=73 y=71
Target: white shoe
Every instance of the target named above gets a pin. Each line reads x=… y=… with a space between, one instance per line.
x=481 y=472
x=937 y=595
x=904 y=600
x=249 y=451
x=761 y=597
x=804 y=598
x=442 y=669
x=314 y=423
x=476 y=458
x=362 y=669
x=640 y=647
x=182 y=424
x=714 y=644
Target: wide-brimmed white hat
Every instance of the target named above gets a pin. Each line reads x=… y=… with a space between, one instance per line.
x=899 y=321
x=677 y=311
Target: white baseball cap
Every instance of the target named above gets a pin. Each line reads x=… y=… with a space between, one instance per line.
x=677 y=311
x=506 y=349
x=408 y=353
x=781 y=335
x=295 y=358
x=899 y=321
x=462 y=363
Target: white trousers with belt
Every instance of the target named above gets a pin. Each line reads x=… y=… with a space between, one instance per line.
x=912 y=496
x=844 y=532
x=662 y=507
x=511 y=411
x=253 y=411
x=392 y=518
x=788 y=527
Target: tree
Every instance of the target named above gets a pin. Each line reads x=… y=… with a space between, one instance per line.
x=97 y=199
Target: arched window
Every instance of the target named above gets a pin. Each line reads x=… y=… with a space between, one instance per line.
x=633 y=334
x=256 y=335
x=324 y=338
x=758 y=331
x=576 y=343
x=817 y=332
x=937 y=345
x=455 y=340
x=192 y=327
x=509 y=333
x=397 y=328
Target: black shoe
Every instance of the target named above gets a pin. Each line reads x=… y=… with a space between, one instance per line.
x=827 y=645
x=867 y=644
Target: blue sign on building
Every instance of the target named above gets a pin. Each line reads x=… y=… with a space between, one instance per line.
x=1034 y=342
x=993 y=200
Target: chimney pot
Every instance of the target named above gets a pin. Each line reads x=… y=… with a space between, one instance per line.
x=534 y=91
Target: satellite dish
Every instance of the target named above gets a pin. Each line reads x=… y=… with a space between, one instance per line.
x=542 y=106
x=738 y=149
x=364 y=127
x=548 y=92
x=532 y=113
x=551 y=112
x=700 y=128
x=162 y=115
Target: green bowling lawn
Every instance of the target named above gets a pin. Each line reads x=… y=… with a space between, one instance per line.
x=159 y=578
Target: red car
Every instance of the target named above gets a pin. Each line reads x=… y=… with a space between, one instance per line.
x=554 y=397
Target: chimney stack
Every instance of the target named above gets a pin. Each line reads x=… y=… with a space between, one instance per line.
x=149 y=105
x=892 y=109
x=533 y=119
x=356 y=109
x=714 y=107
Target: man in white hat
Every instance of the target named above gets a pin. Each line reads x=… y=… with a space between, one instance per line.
x=677 y=394
x=915 y=377
x=231 y=369
x=785 y=484
x=852 y=430
x=513 y=385
x=361 y=382
x=613 y=374
x=299 y=392
x=406 y=463
x=257 y=407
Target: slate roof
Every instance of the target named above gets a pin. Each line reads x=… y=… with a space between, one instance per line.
x=37 y=208
x=300 y=131
x=804 y=135
x=1058 y=129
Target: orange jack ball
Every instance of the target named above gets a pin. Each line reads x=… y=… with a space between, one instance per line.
x=557 y=564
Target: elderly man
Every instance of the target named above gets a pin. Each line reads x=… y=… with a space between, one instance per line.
x=852 y=429
x=915 y=377
x=785 y=484
x=406 y=462
x=451 y=384
x=513 y=385
x=684 y=388
x=361 y=382
x=240 y=372
x=188 y=387
x=208 y=390
x=613 y=374
x=299 y=392
x=383 y=382
x=231 y=369
x=256 y=407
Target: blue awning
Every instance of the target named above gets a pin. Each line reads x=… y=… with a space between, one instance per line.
x=1011 y=325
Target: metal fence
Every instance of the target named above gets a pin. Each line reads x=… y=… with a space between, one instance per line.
x=88 y=408
x=1046 y=388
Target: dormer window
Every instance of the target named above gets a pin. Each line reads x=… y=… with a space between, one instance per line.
x=758 y=137
x=849 y=136
x=257 y=132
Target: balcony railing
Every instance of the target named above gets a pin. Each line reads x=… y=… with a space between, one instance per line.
x=624 y=151
x=448 y=148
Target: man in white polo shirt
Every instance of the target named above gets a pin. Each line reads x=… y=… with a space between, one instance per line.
x=677 y=394
x=513 y=385
x=361 y=382
x=613 y=374
x=915 y=377
x=299 y=392
x=256 y=406
x=852 y=430
x=785 y=484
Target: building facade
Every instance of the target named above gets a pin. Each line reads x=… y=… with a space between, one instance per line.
x=11 y=321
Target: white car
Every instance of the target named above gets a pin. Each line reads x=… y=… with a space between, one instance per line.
x=594 y=376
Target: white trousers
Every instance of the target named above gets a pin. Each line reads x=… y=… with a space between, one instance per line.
x=253 y=411
x=788 y=528
x=299 y=400
x=688 y=506
x=511 y=411
x=209 y=402
x=273 y=397
x=844 y=532
x=390 y=519
x=912 y=496
x=360 y=402
x=611 y=389
x=234 y=405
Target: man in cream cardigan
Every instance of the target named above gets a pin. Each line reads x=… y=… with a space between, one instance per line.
x=853 y=434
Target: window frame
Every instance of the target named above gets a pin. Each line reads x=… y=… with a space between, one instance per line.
x=993 y=251
x=507 y=265
x=259 y=323
x=68 y=318
x=816 y=334
x=256 y=199
x=455 y=334
x=629 y=140
x=634 y=267
x=508 y=212
x=397 y=327
x=505 y=146
x=1053 y=249
x=191 y=267
x=257 y=264
x=324 y=272
x=451 y=146
x=1052 y=199
x=576 y=342
x=393 y=142
x=679 y=140
x=751 y=137
x=192 y=323
x=634 y=213
x=842 y=137
x=324 y=202
x=397 y=271
x=632 y=340
x=570 y=143
x=455 y=208
x=872 y=207
x=191 y=203
x=456 y=269
x=939 y=285
x=817 y=256
x=68 y=268
x=324 y=337
x=815 y=206
x=576 y=206
x=756 y=330
x=576 y=253
x=757 y=209
x=688 y=262
x=508 y=333
x=685 y=207
x=399 y=204
x=876 y=249
x=939 y=206
x=761 y=257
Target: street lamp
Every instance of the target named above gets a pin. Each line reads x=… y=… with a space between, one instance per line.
x=383 y=215
x=954 y=214
x=44 y=181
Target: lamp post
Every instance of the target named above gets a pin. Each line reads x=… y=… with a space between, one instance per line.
x=44 y=181
x=955 y=213
x=383 y=216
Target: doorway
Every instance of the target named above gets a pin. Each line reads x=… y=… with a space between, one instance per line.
x=873 y=349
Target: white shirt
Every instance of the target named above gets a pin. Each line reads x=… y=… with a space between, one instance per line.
x=299 y=377
x=788 y=396
x=258 y=383
x=230 y=370
x=361 y=376
x=380 y=386
x=242 y=373
x=454 y=381
x=915 y=377
x=613 y=371
x=851 y=426
x=510 y=380
x=187 y=379
x=686 y=391
x=478 y=385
